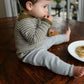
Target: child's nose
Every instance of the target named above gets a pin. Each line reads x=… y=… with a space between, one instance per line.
x=46 y=10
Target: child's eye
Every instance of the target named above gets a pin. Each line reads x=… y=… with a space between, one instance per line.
x=44 y=6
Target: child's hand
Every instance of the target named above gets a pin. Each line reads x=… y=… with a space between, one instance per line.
x=68 y=32
x=51 y=31
x=49 y=17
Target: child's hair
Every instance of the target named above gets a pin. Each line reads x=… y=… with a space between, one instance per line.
x=23 y=2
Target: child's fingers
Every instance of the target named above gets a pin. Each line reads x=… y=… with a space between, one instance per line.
x=49 y=17
x=51 y=31
x=46 y=16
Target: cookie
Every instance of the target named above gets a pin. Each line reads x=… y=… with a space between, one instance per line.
x=80 y=51
x=54 y=33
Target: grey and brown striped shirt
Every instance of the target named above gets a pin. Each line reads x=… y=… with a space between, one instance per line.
x=30 y=33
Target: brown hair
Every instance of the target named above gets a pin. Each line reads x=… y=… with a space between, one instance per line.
x=23 y=2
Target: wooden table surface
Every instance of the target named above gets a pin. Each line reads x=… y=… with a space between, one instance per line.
x=12 y=71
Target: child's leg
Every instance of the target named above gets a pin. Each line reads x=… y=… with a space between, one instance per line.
x=54 y=40
x=41 y=57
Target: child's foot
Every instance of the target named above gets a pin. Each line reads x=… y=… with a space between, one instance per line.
x=78 y=71
x=68 y=32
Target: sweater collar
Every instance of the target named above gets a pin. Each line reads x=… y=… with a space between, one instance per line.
x=23 y=16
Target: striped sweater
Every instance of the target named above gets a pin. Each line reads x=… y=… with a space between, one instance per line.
x=30 y=33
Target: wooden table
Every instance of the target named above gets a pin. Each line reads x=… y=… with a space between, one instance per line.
x=13 y=71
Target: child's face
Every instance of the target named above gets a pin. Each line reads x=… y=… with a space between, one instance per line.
x=40 y=9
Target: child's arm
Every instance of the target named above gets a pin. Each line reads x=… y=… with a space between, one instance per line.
x=51 y=32
x=34 y=34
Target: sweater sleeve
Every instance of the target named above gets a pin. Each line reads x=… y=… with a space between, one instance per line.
x=33 y=33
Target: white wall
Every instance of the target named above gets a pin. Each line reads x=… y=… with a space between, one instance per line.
x=81 y=11
x=8 y=8
x=13 y=7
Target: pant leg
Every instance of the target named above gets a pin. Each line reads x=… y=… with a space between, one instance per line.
x=54 y=40
x=42 y=57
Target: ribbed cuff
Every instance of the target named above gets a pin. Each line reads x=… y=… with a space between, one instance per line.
x=46 y=20
x=48 y=31
x=71 y=71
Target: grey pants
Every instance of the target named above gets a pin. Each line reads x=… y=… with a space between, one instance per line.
x=42 y=57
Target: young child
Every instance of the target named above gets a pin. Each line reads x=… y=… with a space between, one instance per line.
x=32 y=43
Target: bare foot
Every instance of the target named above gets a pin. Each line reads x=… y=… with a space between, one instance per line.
x=78 y=71
x=68 y=32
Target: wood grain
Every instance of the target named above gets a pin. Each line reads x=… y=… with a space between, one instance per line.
x=12 y=71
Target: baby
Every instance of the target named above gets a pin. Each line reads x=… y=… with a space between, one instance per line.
x=32 y=43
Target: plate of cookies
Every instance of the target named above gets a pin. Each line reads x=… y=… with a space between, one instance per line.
x=76 y=49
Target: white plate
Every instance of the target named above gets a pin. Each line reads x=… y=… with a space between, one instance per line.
x=73 y=46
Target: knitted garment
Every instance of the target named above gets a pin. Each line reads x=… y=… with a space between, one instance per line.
x=30 y=33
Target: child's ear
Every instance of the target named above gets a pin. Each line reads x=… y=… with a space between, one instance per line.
x=29 y=5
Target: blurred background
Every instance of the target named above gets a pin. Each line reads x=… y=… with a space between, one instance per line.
x=65 y=9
